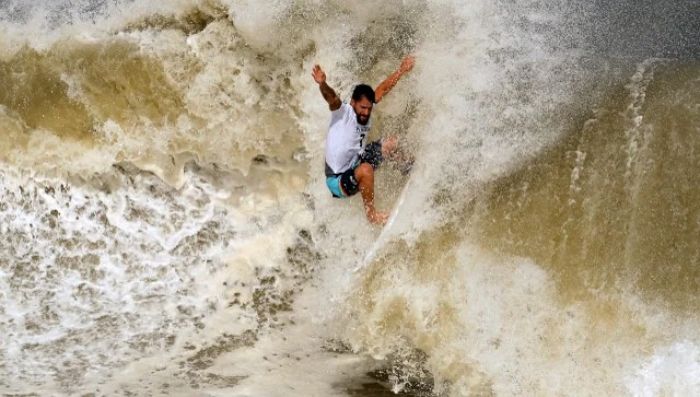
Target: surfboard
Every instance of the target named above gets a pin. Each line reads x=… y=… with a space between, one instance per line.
x=384 y=235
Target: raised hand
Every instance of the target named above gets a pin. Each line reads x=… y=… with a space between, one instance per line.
x=385 y=86
x=407 y=64
x=318 y=74
x=329 y=95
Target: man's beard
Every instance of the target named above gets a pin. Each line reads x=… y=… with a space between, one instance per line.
x=359 y=120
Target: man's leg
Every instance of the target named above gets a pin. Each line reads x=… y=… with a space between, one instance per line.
x=364 y=173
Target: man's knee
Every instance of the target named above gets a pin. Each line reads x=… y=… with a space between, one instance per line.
x=363 y=171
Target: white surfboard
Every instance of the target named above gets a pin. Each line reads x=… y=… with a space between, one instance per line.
x=386 y=230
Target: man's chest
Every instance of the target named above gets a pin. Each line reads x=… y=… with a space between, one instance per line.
x=352 y=132
x=362 y=130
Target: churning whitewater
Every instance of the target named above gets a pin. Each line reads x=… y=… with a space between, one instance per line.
x=166 y=229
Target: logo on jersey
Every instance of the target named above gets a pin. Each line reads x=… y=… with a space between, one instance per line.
x=362 y=131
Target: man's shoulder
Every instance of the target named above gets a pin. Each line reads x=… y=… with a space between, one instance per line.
x=341 y=112
x=344 y=107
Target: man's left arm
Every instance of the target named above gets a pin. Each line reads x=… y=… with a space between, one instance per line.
x=386 y=85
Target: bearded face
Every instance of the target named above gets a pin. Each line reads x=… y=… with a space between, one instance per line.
x=363 y=110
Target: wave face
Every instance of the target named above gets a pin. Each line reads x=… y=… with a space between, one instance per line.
x=166 y=228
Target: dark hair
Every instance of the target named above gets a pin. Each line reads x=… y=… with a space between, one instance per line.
x=363 y=90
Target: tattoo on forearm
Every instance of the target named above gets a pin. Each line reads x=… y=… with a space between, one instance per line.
x=327 y=92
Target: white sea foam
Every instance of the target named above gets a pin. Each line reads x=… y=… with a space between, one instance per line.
x=672 y=371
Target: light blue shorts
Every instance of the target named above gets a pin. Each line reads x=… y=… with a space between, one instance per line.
x=344 y=185
x=333 y=183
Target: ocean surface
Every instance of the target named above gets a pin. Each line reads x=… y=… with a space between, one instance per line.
x=165 y=229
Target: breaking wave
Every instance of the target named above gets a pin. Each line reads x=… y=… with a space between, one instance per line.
x=166 y=228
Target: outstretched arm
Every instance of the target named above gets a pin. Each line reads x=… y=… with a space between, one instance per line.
x=328 y=94
x=386 y=85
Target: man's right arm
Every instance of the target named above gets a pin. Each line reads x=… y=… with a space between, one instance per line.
x=328 y=94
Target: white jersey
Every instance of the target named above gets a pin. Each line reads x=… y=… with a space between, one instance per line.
x=345 y=141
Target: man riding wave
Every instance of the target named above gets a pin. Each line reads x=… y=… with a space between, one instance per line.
x=350 y=161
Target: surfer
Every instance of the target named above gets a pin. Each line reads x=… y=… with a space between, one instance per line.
x=350 y=162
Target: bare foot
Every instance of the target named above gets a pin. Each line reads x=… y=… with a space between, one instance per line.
x=377 y=218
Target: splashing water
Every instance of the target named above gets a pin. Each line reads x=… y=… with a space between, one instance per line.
x=166 y=229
